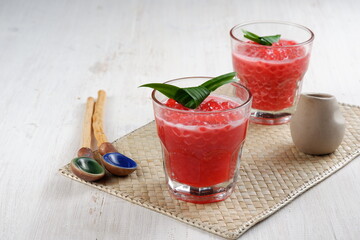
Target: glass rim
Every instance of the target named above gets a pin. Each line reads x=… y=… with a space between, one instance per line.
x=242 y=105
x=308 y=41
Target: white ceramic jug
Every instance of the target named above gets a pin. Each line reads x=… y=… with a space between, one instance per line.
x=317 y=126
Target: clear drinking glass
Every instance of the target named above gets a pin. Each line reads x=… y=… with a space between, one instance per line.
x=202 y=149
x=273 y=74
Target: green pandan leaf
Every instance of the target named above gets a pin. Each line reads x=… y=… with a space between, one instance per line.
x=168 y=90
x=217 y=82
x=272 y=39
x=265 y=40
x=192 y=97
x=197 y=95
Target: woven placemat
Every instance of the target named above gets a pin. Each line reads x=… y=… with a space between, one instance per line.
x=273 y=172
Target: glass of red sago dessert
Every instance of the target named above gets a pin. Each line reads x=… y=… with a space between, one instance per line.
x=202 y=146
x=271 y=59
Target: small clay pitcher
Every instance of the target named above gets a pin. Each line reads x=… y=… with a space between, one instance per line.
x=317 y=126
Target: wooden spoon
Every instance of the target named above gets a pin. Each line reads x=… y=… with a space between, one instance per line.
x=85 y=166
x=115 y=162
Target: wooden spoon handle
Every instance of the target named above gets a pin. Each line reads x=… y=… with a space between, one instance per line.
x=86 y=136
x=98 y=125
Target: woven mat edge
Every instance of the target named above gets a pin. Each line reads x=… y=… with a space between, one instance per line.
x=208 y=227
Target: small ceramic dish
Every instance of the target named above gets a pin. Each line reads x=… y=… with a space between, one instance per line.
x=87 y=168
x=118 y=164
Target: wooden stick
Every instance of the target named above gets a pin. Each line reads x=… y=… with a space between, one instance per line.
x=98 y=124
x=86 y=136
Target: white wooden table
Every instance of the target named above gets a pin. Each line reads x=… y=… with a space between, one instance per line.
x=54 y=54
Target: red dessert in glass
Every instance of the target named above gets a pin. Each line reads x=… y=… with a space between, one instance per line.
x=273 y=73
x=202 y=147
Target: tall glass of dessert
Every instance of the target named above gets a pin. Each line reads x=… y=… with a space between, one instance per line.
x=274 y=74
x=202 y=147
